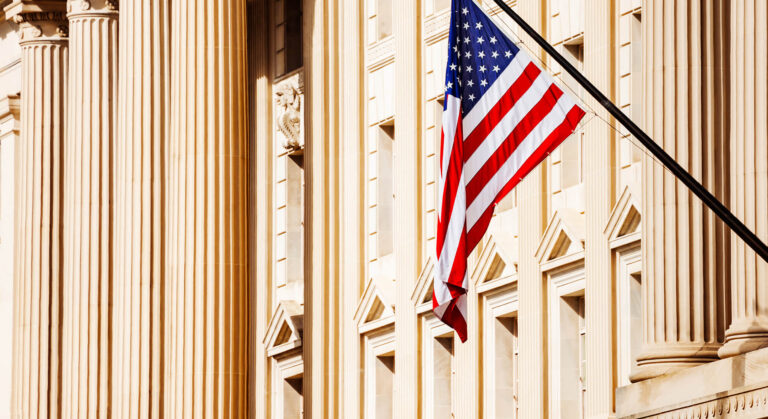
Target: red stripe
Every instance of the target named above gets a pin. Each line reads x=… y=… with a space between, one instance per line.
x=453 y=318
x=451 y=185
x=555 y=138
x=518 y=134
x=459 y=267
x=496 y=114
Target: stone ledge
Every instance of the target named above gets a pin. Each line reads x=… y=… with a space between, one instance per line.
x=732 y=387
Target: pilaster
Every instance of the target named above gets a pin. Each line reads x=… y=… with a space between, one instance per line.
x=139 y=170
x=322 y=365
x=352 y=178
x=685 y=249
x=532 y=209
x=599 y=190
x=37 y=276
x=206 y=276
x=405 y=24
x=88 y=196
x=260 y=203
x=749 y=175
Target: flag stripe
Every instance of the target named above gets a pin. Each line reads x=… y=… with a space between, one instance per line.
x=525 y=129
x=497 y=112
x=501 y=117
x=510 y=121
x=513 y=163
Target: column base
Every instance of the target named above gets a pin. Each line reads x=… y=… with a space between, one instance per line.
x=745 y=335
x=667 y=358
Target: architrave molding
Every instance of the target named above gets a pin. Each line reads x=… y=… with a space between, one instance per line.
x=422 y=292
x=375 y=309
x=563 y=240
x=493 y=268
x=284 y=332
x=624 y=224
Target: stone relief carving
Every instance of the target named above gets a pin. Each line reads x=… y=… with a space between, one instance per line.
x=751 y=404
x=288 y=108
x=33 y=25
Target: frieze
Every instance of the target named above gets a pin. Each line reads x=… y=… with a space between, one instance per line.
x=40 y=25
x=750 y=404
x=380 y=53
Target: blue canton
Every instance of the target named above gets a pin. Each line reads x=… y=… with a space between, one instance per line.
x=478 y=53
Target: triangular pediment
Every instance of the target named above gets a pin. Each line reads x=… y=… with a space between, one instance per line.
x=492 y=263
x=422 y=292
x=285 y=329
x=563 y=237
x=624 y=223
x=375 y=308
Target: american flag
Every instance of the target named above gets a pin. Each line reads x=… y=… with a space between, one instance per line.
x=502 y=116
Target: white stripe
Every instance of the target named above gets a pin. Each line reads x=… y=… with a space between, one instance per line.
x=454 y=231
x=497 y=90
x=485 y=198
x=450 y=121
x=505 y=127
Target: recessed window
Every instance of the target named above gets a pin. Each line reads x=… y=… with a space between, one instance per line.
x=443 y=373
x=288 y=36
x=505 y=367
x=293 y=399
x=383 y=19
x=572 y=356
x=385 y=376
x=381 y=207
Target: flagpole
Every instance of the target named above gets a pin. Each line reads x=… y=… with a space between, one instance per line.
x=688 y=180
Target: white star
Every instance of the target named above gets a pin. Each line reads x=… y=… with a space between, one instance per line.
x=482 y=83
x=453 y=67
x=468 y=54
x=495 y=54
x=479 y=25
x=481 y=54
x=455 y=48
x=459 y=69
x=482 y=69
x=496 y=68
x=493 y=39
x=480 y=40
x=466 y=25
x=448 y=86
x=464 y=11
x=470 y=83
x=466 y=40
x=469 y=69
x=507 y=54
x=471 y=97
x=459 y=82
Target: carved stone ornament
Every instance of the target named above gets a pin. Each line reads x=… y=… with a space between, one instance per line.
x=36 y=25
x=288 y=110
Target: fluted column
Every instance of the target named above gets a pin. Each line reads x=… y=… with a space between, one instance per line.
x=139 y=169
x=749 y=175
x=532 y=200
x=88 y=194
x=599 y=194
x=37 y=219
x=408 y=135
x=685 y=250
x=206 y=330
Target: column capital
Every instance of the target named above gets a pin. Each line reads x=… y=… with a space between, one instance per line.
x=92 y=8
x=39 y=21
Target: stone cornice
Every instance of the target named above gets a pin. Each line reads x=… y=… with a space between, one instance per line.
x=28 y=10
x=92 y=8
x=39 y=20
x=9 y=105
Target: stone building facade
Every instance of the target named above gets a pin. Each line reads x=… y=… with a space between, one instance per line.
x=226 y=208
